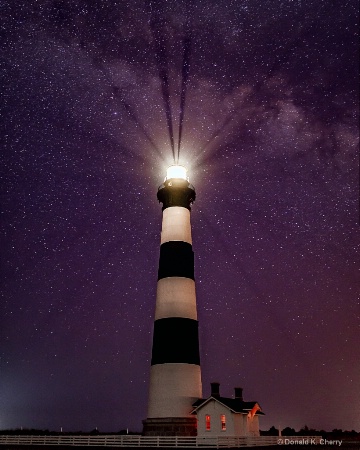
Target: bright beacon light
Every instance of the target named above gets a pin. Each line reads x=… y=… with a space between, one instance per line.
x=176 y=172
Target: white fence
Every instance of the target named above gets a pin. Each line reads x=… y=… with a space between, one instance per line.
x=156 y=441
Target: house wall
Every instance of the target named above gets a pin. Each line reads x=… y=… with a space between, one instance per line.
x=240 y=424
x=253 y=426
x=214 y=410
x=236 y=424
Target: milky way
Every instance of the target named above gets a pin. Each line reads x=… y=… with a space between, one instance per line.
x=262 y=99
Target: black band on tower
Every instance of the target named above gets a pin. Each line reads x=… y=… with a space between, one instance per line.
x=176 y=192
x=176 y=260
x=176 y=340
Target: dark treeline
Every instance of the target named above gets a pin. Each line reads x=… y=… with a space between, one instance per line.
x=36 y=432
x=306 y=431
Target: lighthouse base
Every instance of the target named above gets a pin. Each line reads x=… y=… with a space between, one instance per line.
x=170 y=426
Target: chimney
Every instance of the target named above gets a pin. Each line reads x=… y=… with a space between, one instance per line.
x=239 y=393
x=215 y=389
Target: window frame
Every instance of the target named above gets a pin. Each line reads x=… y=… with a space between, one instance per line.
x=223 y=422
x=207 y=422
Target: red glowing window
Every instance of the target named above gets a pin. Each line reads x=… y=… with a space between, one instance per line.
x=207 y=422
x=223 y=421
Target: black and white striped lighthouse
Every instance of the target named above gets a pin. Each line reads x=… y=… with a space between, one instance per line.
x=175 y=377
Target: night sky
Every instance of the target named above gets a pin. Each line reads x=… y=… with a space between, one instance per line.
x=265 y=94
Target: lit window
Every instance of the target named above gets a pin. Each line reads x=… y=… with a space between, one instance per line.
x=207 y=422
x=223 y=421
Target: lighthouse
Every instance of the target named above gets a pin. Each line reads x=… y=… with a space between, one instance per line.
x=175 y=376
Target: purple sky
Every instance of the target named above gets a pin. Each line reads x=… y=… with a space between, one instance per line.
x=270 y=138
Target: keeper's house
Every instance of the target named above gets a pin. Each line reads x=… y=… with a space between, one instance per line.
x=218 y=415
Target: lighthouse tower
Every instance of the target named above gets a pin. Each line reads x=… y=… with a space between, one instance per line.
x=175 y=377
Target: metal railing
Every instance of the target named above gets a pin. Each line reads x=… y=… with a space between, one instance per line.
x=155 y=441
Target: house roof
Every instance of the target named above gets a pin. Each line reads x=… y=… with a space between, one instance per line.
x=235 y=404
